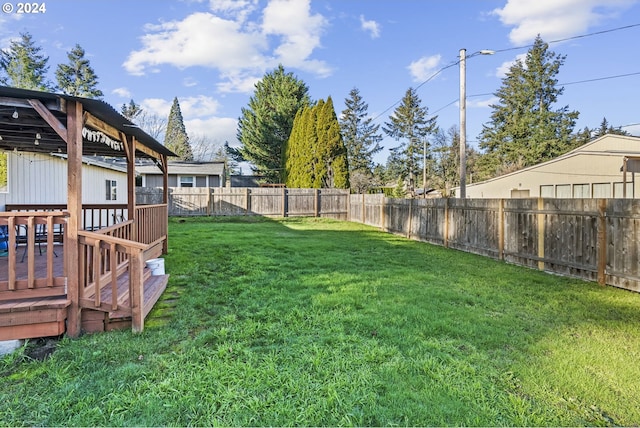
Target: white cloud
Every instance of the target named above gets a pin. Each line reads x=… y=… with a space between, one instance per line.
x=216 y=129
x=299 y=32
x=201 y=39
x=555 y=19
x=424 y=68
x=191 y=107
x=483 y=103
x=239 y=10
x=189 y=82
x=237 y=47
x=371 y=26
x=122 y=92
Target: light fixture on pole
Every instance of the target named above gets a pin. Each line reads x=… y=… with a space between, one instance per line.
x=463 y=117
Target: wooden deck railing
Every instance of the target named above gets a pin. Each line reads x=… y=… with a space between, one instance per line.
x=103 y=261
x=151 y=223
x=94 y=216
x=29 y=234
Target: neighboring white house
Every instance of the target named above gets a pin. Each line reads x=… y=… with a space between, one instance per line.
x=34 y=178
x=593 y=170
x=184 y=174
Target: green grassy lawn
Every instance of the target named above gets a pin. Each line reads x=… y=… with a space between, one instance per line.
x=306 y=322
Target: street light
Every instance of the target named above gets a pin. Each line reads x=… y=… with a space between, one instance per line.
x=463 y=117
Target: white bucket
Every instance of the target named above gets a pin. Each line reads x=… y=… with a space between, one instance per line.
x=156 y=266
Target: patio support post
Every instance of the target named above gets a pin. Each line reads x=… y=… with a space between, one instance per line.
x=130 y=150
x=165 y=198
x=74 y=206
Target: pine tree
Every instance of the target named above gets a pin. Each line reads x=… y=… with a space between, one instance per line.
x=24 y=66
x=524 y=129
x=176 y=138
x=410 y=125
x=265 y=125
x=131 y=111
x=360 y=136
x=77 y=78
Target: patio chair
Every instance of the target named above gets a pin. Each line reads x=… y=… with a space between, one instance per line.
x=4 y=240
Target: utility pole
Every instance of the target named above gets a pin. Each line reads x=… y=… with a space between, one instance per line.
x=463 y=124
x=463 y=116
x=424 y=167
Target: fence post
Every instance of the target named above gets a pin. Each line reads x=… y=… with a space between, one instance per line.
x=602 y=241
x=247 y=201
x=362 y=210
x=316 y=202
x=383 y=213
x=284 y=202
x=445 y=238
x=501 y=229
x=410 y=218
x=540 y=234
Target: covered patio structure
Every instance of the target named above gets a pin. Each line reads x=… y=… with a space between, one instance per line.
x=73 y=267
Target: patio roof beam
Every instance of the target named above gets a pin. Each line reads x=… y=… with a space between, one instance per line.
x=59 y=105
x=48 y=117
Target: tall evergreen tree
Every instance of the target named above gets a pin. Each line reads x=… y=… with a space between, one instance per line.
x=332 y=168
x=524 y=128
x=24 y=66
x=410 y=124
x=360 y=135
x=77 y=78
x=265 y=125
x=316 y=156
x=176 y=138
x=299 y=149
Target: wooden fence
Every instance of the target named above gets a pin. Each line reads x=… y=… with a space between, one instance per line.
x=593 y=239
x=271 y=202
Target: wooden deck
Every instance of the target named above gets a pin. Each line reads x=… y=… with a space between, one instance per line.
x=32 y=317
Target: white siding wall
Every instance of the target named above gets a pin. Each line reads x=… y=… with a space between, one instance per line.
x=42 y=179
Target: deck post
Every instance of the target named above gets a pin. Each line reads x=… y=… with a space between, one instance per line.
x=74 y=206
x=165 y=198
x=130 y=150
x=136 y=291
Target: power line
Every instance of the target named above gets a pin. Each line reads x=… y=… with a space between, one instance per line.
x=454 y=63
x=626 y=27
x=595 y=79
x=601 y=78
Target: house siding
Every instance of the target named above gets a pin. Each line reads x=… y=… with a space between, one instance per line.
x=591 y=171
x=42 y=179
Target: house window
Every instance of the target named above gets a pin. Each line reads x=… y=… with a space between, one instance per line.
x=4 y=172
x=581 y=191
x=618 y=190
x=563 y=191
x=112 y=190
x=601 y=190
x=186 y=181
x=547 y=191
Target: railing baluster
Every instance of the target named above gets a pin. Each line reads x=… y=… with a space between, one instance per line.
x=114 y=276
x=97 y=268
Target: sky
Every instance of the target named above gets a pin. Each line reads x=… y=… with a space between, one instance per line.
x=210 y=53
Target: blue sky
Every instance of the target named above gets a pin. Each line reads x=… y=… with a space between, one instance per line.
x=209 y=53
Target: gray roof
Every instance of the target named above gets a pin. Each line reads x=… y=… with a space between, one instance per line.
x=185 y=168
